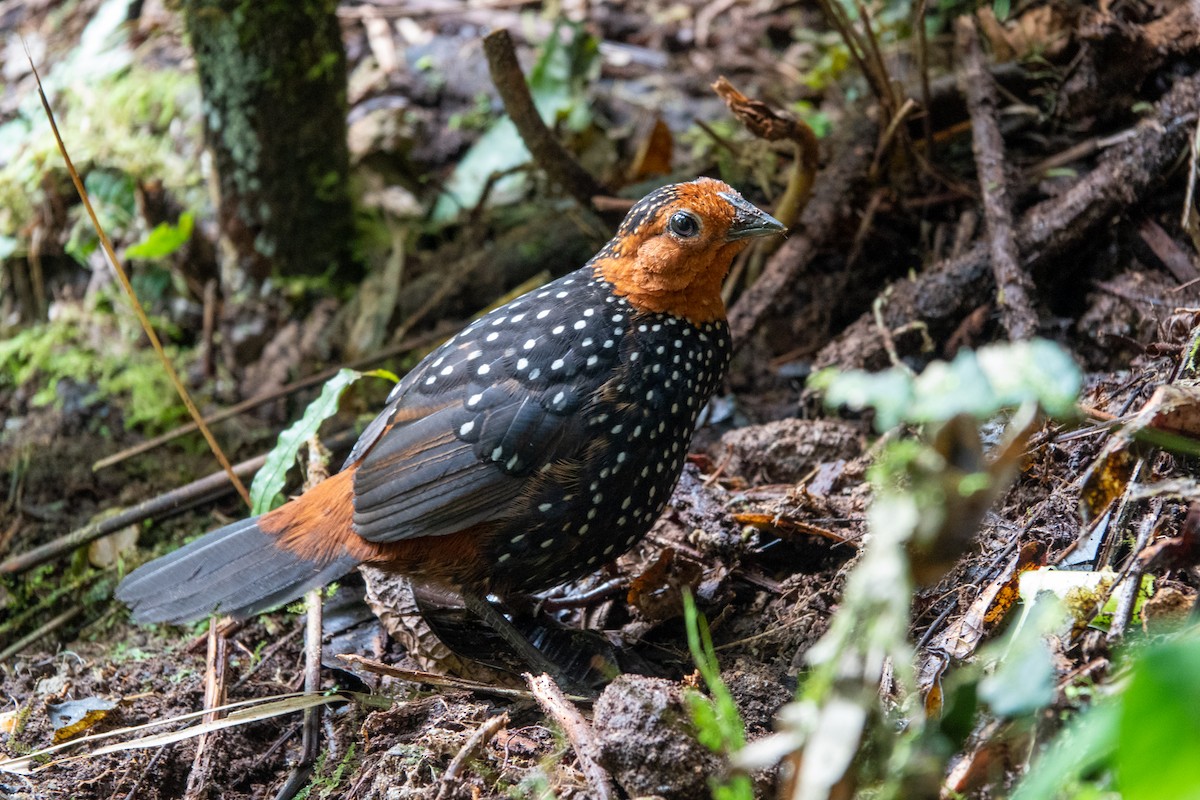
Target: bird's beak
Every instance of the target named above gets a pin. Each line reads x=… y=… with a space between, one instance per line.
x=750 y=222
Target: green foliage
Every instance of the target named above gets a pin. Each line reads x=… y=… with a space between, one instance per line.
x=718 y=722
x=1139 y=744
x=977 y=383
x=326 y=782
x=556 y=82
x=164 y=240
x=92 y=349
x=266 y=491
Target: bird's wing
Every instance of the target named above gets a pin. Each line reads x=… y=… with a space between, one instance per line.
x=463 y=432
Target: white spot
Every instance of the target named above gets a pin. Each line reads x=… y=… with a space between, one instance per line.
x=608 y=342
x=544 y=507
x=473 y=400
x=617 y=317
x=583 y=528
x=497 y=321
x=593 y=361
x=621 y=520
x=660 y=349
x=466 y=427
x=522 y=363
x=656 y=328
x=587 y=312
x=591 y=513
x=556 y=364
x=529 y=344
x=598 y=498
x=504 y=557
x=518 y=317
x=543 y=313
x=533 y=373
x=617 y=428
x=430 y=380
x=580 y=325
x=561 y=295
x=547 y=543
x=438 y=362
x=498 y=453
x=634 y=355
x=447 y=370
x=558 y=398
x=591 y=561
x=474 y=354
x=674 y=408
x=586 y=342
x=557 y=329
x=637 y=431
x=625 y=503
x=608 y=550
x=491 y=337
x=484 y=369
x=511 y=464
x=621 y=457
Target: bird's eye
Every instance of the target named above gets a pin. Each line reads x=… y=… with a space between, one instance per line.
x=683 y=224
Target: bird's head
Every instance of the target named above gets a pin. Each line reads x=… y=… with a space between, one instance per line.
x=676 y=244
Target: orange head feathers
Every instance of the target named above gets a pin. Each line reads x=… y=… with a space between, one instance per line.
x=675 y=246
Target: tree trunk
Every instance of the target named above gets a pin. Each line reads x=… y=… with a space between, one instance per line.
x=273 y=78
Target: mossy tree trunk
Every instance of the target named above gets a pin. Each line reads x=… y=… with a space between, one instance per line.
x=273 y=78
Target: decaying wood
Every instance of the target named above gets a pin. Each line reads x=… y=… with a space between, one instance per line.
x=578 y=731
x=946 y=292
x=1014 y=287
x=832 y=204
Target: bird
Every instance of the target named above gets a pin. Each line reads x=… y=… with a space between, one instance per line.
x=537 y=444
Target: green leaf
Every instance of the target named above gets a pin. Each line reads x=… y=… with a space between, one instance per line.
x=164 y=240
x=1083 y=746
x=1159 y=729
x=555 y=82
x=269 y=481
x=1024 y=678
x=975 y=383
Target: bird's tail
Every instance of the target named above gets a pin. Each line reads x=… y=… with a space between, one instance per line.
x=240 y=570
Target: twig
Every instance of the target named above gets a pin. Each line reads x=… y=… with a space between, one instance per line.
x=165 y=505
x=546 y=150
x=945 y=292
x=151 y=334
x=1130 y=584
x=267 y=655
x=1189 y=198
x=1014 y=287
x=258 y=400
x=443 y=681
x=478 y=740
x=214 y=697
x=133 y=791
x=310 y=747
x=49 y=627
x=580 y=734
x=831 y=205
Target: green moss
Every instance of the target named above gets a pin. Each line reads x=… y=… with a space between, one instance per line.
x=92 y=349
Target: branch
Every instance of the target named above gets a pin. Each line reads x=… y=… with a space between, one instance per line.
x=1014 y=287
x=548 y=152
x=947 y=291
